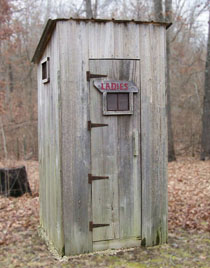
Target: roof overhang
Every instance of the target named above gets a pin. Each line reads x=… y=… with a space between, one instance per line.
x=51 y=24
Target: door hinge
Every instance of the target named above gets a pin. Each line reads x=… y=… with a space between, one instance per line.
x=89 y=75
x=93 y=225
x=91 y=125
x=95 y=178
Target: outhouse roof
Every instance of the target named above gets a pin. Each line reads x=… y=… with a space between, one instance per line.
x=50 y=26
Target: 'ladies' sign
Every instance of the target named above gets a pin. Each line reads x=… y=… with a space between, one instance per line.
x=115 y=86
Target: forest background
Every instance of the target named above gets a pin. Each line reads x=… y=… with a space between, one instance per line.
x=188 y=73
x=21 y=25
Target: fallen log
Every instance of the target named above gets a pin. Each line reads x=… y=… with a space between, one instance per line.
x=14 y=181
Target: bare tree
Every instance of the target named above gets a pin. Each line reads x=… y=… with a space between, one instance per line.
x=158 y=9
x=205 y=139
x=171 y=152
x=96 y=9
x=89 y=12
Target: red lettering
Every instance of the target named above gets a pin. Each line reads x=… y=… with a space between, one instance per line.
x=107 y=86
x=113 y=86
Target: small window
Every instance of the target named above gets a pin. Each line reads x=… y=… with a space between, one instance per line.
x=46 y=70
x=117 y=103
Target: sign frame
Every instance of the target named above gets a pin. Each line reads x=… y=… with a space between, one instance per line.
x=115 y=86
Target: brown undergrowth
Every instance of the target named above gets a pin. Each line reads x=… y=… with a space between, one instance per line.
x=189 y=226
x=189 y=194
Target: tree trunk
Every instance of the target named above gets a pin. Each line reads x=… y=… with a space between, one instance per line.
x=205 y=138
x=96 y=9
x=14 y=182
x=4 y=139
x=89 y=12
x=11 y=78
x=158 y=9
x=171 y=151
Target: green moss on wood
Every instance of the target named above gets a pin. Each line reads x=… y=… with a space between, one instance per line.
x=143 y=242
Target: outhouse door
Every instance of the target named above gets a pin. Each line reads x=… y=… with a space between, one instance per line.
x=115 y=150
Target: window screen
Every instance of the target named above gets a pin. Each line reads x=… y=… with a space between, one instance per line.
x=117 y=102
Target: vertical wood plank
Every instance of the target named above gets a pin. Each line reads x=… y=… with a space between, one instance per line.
x=112 y=154
x=154 y=135
x=126 y=40
x=79 y=41
x=101 y=40
x=129 y=165
x=103 y=162
x=75 y=136
x=51 y=217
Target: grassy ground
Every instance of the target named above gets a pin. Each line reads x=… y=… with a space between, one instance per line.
x=184 y=249
x=189 y=221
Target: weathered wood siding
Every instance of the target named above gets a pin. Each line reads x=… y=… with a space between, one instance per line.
x=80 y=41
x=154 y=135
x=116 y=201
x=75 y=136
x=64 y=140
x=51 y=217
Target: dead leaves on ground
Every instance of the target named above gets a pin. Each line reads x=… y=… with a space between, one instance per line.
x=188 y=189
x=19 y=214
x=189 y=194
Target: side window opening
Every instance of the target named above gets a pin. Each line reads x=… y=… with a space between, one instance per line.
x=45 y=70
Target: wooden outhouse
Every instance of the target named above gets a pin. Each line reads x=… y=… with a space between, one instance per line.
x=102 y=134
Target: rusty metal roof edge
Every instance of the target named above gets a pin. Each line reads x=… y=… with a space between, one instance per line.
x=51 y=23
x=46 y=35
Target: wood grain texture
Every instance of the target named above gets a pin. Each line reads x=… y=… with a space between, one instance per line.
x=154 y=135
x=112 y=154
x=117 y=244
x=75 y=136
x=137 y=161
x=49 y=149
x=103 y=162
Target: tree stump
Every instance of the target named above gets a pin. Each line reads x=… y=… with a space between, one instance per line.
x=14 y=181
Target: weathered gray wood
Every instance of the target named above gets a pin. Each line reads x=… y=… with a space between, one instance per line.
x=154 y=135
x=49 y=150
x=127 y=45
x=101 y=40
x=75 y=136
x=105 y=207
x=131 y=151
x=112 y=155
x=129 y=177
x=117 y=244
